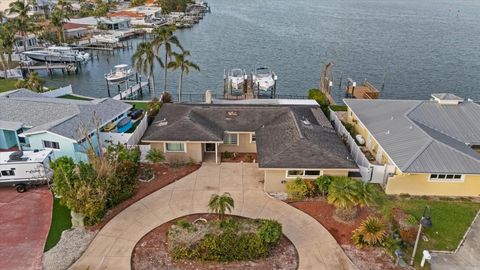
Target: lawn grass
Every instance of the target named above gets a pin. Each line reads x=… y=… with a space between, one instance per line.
x=74 y=97
x=450 y=219
x=61 y=221
x=139 y=105
x=7 y=84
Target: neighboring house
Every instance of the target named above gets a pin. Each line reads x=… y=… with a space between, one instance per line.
x=290 y=140
x=75 y=30
x=30 y=121
x=433 y=145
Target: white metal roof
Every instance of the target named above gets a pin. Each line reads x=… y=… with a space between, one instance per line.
x=32 y=157
x=423 y=136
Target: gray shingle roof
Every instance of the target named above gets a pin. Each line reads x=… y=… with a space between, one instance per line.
x=424 y=136
x=287 y=136
x=60 y=116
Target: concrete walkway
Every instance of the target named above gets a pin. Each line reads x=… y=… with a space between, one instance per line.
x=113 y=245
x=467 y=256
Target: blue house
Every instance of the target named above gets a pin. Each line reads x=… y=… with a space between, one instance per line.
x=30 y=121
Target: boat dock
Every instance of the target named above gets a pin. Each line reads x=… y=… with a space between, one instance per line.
x=132 y=91
x=364 y=91
x=50 y=68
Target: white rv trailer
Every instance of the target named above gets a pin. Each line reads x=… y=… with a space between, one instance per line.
x=20 y=169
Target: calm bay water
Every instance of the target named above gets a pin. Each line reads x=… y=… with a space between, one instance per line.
x=418 y=47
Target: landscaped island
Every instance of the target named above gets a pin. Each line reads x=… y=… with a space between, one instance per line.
x=201 y=241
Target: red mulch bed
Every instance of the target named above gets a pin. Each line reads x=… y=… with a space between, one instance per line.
x=324 y=213
x=241 y=157
x=164 y=175
x=151 y=252
x=368 y=258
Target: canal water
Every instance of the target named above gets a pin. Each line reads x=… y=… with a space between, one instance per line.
x=414 y=47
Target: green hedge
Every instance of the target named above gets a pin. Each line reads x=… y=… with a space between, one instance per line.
x=230 y=241
x=338 y=108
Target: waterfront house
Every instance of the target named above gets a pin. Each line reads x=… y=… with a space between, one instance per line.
x=30 y=121
x=289 y=138
x=432 y=145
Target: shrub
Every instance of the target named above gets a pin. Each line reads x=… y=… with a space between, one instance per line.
x=155 y=155
x=297 y=189
x=228 y=155
x=229 y=224
x=371 y=232
x=153 y=107
x=350 y=128
x=229 y=246
x=312 y=189
x=338 y=108
x=166 y=97
x=183 y=223
x=270 y=231
x=321 y=99
x=323 y=183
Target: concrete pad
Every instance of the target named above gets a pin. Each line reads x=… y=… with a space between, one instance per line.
x=112 y=247
x=25 y=220
x=100 y=246
x=207 y=183
x=122 y=248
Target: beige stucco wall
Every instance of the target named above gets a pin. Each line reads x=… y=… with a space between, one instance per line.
x=194 y=152
x=419 y=184
x=244 y=145
x=274 y=178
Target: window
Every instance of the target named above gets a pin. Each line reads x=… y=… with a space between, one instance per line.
x=49 y=144
x=230 y=138
x=174 y=147
x=8 y=173
x=303 y=173
x=312 y=173
x=253 y=138
x=294 y=173
x=446 y=177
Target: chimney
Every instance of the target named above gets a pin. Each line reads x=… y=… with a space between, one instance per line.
x=208 y=96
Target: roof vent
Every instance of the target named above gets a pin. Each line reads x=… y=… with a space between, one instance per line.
x=388 y=132
x=447 y=99
x=306 y=122
x=162 y=122
x=232 y=113
x=16 y=156
x=392 y=118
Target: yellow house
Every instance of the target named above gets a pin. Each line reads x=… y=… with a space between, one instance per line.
x=289 y=140
x=433 y=145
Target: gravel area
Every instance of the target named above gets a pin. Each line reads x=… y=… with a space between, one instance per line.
x=70 y=247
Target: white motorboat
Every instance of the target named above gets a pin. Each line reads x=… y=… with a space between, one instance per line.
x=264 y=78
x=236 y=78
x=120 y=73
x=109 y=39
x=57 y=54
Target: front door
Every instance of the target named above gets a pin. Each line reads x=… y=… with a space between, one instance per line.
x=210 y=147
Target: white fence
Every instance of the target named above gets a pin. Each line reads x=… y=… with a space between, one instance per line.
x=67 y=90
x=370 y=172
x=126 y=138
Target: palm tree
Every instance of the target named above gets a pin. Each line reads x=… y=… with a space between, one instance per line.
x=219 y=204
x=344 y=195
x=184 y=65
x=22 y=22
x=33 y=82
x=347 y=194
x=7 y=44
x=144 y=60
x=61 y=12
x=163 y=36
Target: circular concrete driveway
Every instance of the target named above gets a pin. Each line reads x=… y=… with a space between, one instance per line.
x=112 y=247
